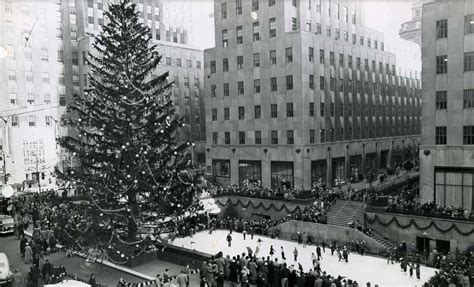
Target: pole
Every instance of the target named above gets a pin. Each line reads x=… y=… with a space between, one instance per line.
x=38 y=174
x=5 y=177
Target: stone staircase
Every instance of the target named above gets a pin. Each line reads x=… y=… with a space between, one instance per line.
x=383 y=241
x=343 y=211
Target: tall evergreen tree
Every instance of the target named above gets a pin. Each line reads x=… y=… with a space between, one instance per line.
x=129 y=163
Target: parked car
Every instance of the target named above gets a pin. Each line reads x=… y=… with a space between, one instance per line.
x=6 y=276
x=7 y=224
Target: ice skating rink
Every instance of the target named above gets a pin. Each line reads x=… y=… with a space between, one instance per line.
x=363 y=269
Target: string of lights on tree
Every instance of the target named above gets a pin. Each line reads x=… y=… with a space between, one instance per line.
x=135 y=173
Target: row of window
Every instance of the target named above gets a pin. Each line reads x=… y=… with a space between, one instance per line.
x=442 y=63
x=325 y=136
x=442 y=27
x=290 y=110
x=189 y=63
x=441 y=135
x=442 y=99
x=32 y=121
x=348 y=86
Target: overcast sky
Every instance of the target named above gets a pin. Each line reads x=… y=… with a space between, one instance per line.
x=385 y=16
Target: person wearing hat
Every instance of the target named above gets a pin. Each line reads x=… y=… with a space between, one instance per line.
x=28 y=253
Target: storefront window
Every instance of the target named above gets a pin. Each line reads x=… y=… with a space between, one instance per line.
x=318 y=171
x=454 y=188
x=221 y=167
x=251 y=171
x=282 y=174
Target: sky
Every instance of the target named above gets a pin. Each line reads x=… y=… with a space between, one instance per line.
x=385 y=16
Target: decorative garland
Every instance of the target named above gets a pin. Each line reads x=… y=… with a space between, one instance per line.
x=413 y=222
x=151 y=282
x=260 y=205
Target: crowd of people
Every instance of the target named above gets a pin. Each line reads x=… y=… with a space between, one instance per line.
x=453 y=270
x=430 y=209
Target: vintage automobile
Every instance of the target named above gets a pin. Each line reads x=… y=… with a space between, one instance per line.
x=6 y=276
x=6 y=224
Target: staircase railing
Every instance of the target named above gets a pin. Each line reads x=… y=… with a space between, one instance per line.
x=330 y=206
x=355 y=212
x=342 y=208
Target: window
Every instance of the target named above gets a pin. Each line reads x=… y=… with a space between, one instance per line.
x=442 y=64
x=321 y=83
x=362 y=40
x=468 y=99
x=241 y=137
x=240 y=38
x=46 y=77
x=214 y=114
x=227 y=137
x=213 y=65
x=289 y=55
x=213 y=91
x=289 y=82
x=32 y=121
x=294 y=24
x=272 y=24
x=90 y=3
x=441 y=100
x=225 y=65
x=311 y=136
x=332 y=59
x=31 y=99
x=289 y=110
x=376 y=44
x=214 y=138
x=256 y=59
x=318 y=28
x=469 y=24
x=311 y=109
x=186 y=82
x=274 y=137
x=256 y=86
x=274 y=110
x=322 y=109
x=240 y=62
x=256 y=31
x=44 y=55
x=238 y=7
x=221 y=167
x=468 y=61
x=354 y=39
x=240 y=87
x=273 y=84
x=258 y=111
x=13 y=99
x=311 y=54
x=224 y=10
x=178 y=62
x=293 y=2
x=258 y=137
x=226 y=89
x=346 y=36
x=14 y=121
x=255 y=5
x=189 y=64
x=328 y=31
x=338 y=34
x=441 y=29
x=198 y=64
x=273 y=57
x=271 y=3
x=468 y=135
x=226 y=114
x=241 y=113
x=308 y=25
x=47 y=121
x=311 y=82
x=62 y=100
x=290 y=139
x=369 y=42
x=441 y=135
x=321 y=56
x=225 y=40
x=358 y=63
x=12 y=75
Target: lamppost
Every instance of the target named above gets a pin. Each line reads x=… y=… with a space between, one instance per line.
x=425 y=247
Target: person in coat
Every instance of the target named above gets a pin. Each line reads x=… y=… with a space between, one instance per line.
x=92 y=280
x=23 y=242
x=182 y=279
x=28 y=254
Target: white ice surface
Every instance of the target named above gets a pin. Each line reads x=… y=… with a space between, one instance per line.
x=363 y=269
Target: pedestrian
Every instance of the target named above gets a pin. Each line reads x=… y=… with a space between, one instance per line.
x=295 y=254
x=182 y=279
x=332 y=249
x=28 y=254
x=345 y=254
x=411 y=270
x=166 y=276
x=23 y=242
x=318 y=252
x=244 y=234
x=417 y=271
x=229 y=240
x=46 y=271
x=92 y=280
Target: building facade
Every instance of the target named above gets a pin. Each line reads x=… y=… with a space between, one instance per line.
x=411 y=30
x=34 y=79
x=447 y=150
x=299 y=91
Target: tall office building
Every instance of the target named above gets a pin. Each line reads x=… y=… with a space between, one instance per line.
x=40 y=75
x=447 y=150
x=298 y=91
x=33 y=86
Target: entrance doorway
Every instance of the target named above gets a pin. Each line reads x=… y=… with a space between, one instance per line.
x=443 y=246
x=422 y=244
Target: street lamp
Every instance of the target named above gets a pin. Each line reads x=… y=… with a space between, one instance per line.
x=424 y=241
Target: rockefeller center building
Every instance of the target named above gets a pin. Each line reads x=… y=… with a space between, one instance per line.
x=447 y=138
x=299 y=91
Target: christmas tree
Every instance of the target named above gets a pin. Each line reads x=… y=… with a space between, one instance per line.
x=129 y=164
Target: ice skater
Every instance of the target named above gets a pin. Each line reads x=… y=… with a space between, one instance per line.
x=313 y=259
x=229 y=240
x=324 y=246
x=318 y=252
x=272 y=251
x=417 y=271
x=283 y=253
x=244 y=234
x=345 y=254
x=295 y=254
